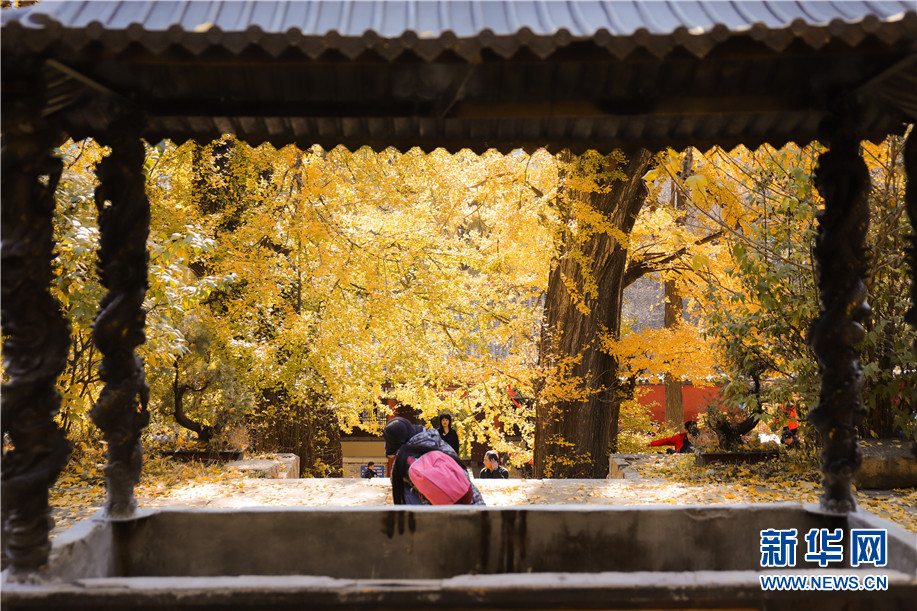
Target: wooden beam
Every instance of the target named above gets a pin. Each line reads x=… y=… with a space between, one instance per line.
x=481 y=109
x=670 y=106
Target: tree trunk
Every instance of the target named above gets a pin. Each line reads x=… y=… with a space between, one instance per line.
x=674 y=405
x=730 y=434
x=572 y=437
x=674 y=305
x=310 y=430
x=204 y=432
x=320 y=443
x=879 y=421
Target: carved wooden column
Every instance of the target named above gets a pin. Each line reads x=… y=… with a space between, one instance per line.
x=910 y=199
x=842 y=178
x=36 y=335
x=124 y=224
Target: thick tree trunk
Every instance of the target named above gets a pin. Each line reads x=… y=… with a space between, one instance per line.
x=674 y=405
x=674 y=305
x=572 y=437
x=730 y=434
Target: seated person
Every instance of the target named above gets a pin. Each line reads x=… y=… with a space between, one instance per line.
x=492 y=468
x=682 y=441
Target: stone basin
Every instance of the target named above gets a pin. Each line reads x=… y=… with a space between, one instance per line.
x=524 y=557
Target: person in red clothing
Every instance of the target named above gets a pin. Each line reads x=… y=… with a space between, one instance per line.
x=790 y=433
x=681 y=441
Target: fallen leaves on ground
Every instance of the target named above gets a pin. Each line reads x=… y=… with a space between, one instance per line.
x=787 y=478
x=665 y=479
x=80 y=490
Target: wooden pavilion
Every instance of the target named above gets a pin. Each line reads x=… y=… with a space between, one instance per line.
x=582 y=75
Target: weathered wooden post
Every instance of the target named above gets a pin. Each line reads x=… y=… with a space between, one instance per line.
x=124 y=224
x=36 y=335
x=842 y=179
x=910 y=199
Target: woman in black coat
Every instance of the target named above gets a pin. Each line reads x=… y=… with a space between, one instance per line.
x=447 y=432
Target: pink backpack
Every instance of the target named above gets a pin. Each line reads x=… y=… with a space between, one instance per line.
x=440 y=479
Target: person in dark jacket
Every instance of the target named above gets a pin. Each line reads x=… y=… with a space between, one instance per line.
x=447 y=432
x=369 y=473
x=405 y=440
x=492 y=467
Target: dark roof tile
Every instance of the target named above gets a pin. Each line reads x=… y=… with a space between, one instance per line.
x=499 y=21
x=575 y=74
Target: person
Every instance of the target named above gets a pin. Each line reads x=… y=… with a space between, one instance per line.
x=492 y=467
x=369 y=473
x=789 y=433
x=405 y=441
x=447 y=432
x=681 y=441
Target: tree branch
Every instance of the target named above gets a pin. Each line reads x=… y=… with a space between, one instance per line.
x=635 y=271
x=204 y=432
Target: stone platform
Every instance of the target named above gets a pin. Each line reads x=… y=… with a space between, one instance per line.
x=536 y=557
x=272 y=466
x=887 y=463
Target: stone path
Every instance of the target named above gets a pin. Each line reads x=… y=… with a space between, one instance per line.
x=355 y=492
x=329 y=492
x=358 y=492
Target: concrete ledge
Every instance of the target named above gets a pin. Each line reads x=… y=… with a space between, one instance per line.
x=619 y=467
x=887 y=464
x=550 y=557
x=289 y=464
x=274 y=466
x=523 y=591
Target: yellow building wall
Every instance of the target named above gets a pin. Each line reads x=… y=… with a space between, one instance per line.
x=368 y=447
x=359 y=452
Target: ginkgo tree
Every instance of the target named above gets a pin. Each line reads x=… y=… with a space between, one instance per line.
x=596 y=201
x=760 y=301
x=362 y=271
x=671 y=245
x=289 y=288
x=292 y=289
x=741 y=254
x=173 y=288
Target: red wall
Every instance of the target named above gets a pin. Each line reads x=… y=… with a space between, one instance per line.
x=694 y=398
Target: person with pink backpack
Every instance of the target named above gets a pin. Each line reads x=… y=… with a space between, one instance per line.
x=426 y=471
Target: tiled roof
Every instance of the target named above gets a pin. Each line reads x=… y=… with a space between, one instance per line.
x=389 y=27
x=498 y=74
